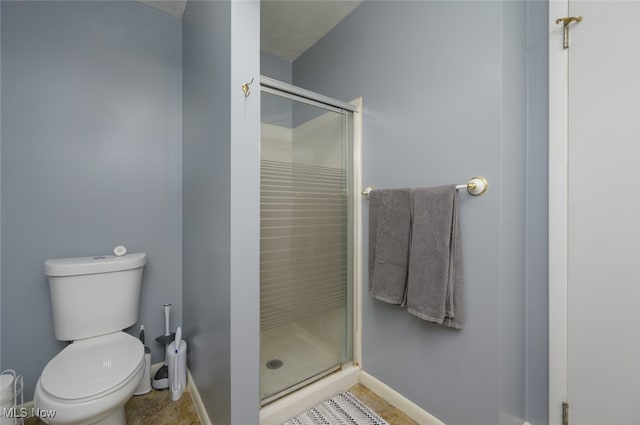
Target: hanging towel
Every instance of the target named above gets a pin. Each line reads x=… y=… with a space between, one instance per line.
x=389 y=235
x=434 y=285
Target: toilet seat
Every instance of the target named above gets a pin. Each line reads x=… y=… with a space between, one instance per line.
x=92 y=368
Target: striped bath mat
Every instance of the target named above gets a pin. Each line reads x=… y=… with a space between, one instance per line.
x=341 y=409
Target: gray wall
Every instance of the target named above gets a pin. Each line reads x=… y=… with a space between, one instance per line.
x=206 y=197
x=275 y=67
x=537 y=295
x=279 y=69
x=221 y=205
x=245 y=213
x=1 y=366
x=445 y=88
x=512 y=214
x=91 y=158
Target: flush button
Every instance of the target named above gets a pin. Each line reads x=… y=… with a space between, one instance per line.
x=120 y=250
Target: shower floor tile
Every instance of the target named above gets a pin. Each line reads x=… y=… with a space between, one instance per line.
x=301 y=354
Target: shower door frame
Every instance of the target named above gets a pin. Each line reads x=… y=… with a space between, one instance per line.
x=279 y=88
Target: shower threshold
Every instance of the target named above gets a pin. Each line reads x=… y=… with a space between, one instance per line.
x=299 y=385
x=305 y=398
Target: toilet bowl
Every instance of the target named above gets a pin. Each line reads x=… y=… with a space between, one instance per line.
x=90 y=380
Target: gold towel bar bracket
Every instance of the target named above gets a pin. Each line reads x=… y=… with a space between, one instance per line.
x=476 y=186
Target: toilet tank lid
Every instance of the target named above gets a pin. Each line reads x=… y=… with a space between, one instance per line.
x=92 y=265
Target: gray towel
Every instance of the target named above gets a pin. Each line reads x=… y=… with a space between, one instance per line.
x=389 y=234
x=434 y=286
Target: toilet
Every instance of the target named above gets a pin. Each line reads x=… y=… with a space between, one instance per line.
x=91 y=379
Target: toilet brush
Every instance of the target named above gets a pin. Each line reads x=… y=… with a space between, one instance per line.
x=161 y=378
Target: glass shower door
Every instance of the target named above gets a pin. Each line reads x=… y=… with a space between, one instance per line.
x=305 y=257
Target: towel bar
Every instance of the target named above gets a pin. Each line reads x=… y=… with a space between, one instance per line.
x=476 y=186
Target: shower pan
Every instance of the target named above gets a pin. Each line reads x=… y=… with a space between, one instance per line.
x=306 y=238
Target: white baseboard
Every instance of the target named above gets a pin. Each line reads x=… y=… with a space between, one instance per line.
x=405 y=405
x=307 y=397
x=197 y=400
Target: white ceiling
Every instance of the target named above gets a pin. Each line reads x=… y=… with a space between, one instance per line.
x=172 y=7
x=287 y=27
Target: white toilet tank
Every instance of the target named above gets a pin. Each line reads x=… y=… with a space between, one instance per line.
x=94 y=296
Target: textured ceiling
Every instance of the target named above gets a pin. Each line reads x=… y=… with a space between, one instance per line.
x=287 y=27
x=172 y=7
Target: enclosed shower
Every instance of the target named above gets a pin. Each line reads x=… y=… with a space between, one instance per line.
x=306 y=242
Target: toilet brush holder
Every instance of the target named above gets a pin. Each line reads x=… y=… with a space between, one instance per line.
x=160 y=380
x=177 y=362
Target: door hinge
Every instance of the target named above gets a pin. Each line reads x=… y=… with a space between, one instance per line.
x=565 y=28
x=565 y=413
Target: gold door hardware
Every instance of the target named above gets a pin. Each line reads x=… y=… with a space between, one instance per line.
x=565 y=28
x=246 y=89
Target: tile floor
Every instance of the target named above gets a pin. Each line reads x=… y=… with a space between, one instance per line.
x=387 y=411
x=156 y=408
